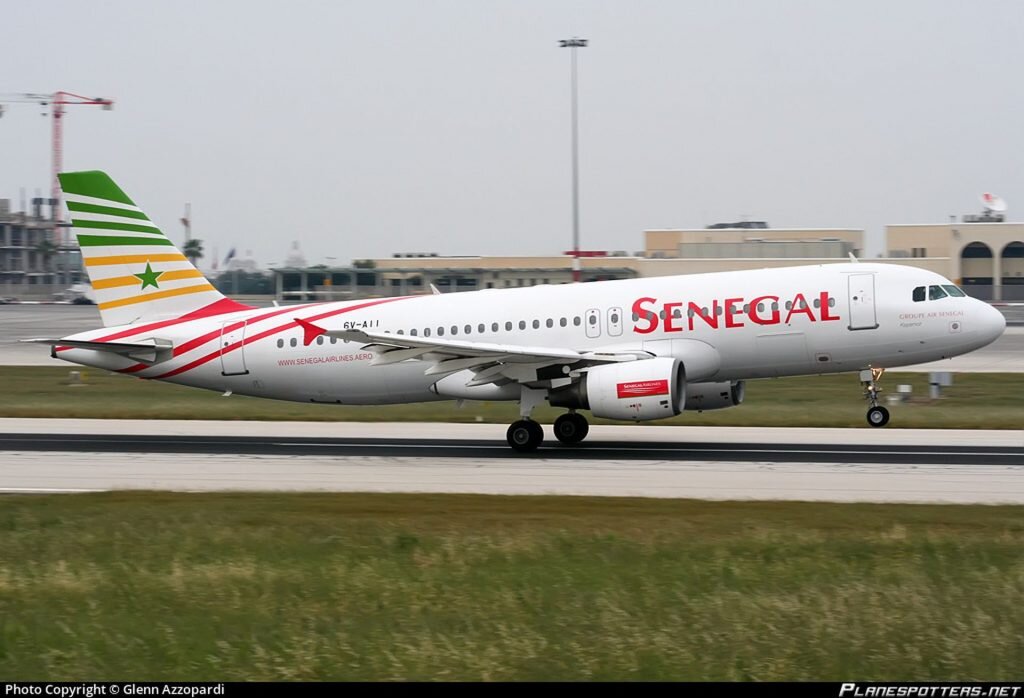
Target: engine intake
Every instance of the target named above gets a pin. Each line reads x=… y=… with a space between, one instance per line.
x=632 y=390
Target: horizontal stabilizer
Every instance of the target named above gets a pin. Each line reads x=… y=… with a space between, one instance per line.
x=148 y=351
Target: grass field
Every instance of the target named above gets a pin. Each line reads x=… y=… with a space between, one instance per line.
x=354 y=586
x=979 y=400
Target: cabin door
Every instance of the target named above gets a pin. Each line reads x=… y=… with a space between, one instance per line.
x=232 y=349
x=862 y=302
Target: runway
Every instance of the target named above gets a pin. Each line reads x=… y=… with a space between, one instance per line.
x=727 y=463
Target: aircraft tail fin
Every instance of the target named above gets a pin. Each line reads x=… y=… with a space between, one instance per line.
x=136 y=272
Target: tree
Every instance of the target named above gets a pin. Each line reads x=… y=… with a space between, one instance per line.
x=46 y=248
x=193 y=250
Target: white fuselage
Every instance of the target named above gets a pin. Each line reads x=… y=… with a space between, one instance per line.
x=826 y=319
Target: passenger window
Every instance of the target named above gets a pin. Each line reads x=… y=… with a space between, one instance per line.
x=468 y=329
x=676 y=313
x=293 y=342
x=522 y=324
x=593 y=319
x=426 y=331
x=919 y=294
x=413 y=333
x=563 y=322
x=440 y=332
x=935 y=293
x=508 y=326
x=831 y=302
x=536 y=324
x=954 y=291
x=576 y=321
x=494 y=327
x=280 y=343
x=760 y=307
x=817 y=302
x=481 y=328
x=334 y=340
x=550 y=323
x=399 y=332
x=455 y=330
x=320 y=340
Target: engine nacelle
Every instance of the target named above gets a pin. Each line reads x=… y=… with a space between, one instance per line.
x=714 y=396
x=631 y=390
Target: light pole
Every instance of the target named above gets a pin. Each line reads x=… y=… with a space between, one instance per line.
x=573 y=44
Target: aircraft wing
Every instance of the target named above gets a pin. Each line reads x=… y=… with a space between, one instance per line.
x=491 y=362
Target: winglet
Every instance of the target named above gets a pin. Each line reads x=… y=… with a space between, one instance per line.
x=310 y=331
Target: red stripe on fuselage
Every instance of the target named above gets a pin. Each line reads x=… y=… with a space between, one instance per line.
x=267 y=333
x=210 y=336
x=221 y=307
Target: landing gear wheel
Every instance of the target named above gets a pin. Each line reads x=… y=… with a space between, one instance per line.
x=878 y=416
x=525 y=435
x=571 y=428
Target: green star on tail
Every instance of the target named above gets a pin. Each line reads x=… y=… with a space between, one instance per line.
x=149 y=277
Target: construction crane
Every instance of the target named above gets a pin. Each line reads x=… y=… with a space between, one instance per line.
x=57 y=103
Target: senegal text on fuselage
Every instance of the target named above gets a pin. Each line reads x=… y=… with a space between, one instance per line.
x=762 y=310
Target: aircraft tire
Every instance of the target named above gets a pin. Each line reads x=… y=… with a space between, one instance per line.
x=878 y=416
x=525 y=435
x=571 y=428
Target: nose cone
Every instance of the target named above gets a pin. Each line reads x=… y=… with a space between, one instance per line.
x=991 y=323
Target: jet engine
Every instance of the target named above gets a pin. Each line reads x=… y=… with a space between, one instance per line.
x=630 y=390
x=714 y=396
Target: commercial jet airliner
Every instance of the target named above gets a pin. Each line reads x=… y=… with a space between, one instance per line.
x=634 y=350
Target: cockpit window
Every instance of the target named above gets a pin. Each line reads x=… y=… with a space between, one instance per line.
x=919 y=294
x=954 y=291
x=935 y=293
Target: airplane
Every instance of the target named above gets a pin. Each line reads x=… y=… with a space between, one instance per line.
x=632 y=350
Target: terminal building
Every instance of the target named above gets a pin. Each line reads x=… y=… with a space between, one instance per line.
x=985 y=258
x=666 y=252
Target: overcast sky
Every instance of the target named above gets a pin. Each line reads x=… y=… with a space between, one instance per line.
x=366 y=128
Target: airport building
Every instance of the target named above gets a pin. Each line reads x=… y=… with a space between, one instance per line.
x=667 y=252
x=404 y=274
x=986 y=258
x=982 y=253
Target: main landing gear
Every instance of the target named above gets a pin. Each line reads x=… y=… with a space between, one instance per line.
x=878 y=416
x=526 y=435
x=571 y=428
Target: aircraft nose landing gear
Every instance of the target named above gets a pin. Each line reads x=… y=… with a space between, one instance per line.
x=878 y=416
